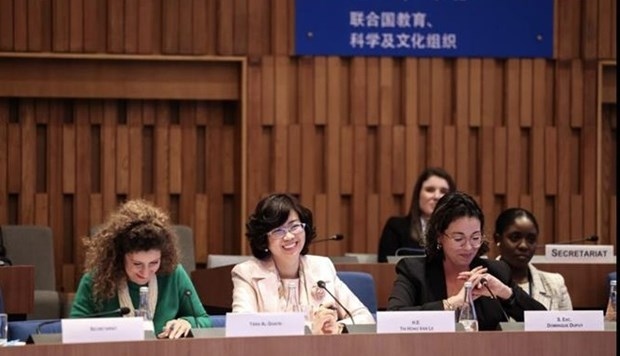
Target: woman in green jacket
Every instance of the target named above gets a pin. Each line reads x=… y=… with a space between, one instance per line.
x=136 y=247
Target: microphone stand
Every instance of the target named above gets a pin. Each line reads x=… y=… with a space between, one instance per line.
x=337 y=237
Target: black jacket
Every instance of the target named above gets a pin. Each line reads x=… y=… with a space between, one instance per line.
x=421 y=285
x=395 y=235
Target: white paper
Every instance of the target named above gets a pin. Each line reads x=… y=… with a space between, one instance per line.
x=264 y=324
x=415 y=321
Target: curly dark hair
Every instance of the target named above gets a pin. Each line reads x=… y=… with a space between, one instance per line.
x=271 y=212
x=450 y=207
x=415 y=226
x=136 y=226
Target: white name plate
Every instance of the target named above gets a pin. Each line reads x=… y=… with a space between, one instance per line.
x=579 y=253
x=568 y=320
x=264 y=324
x=391 y=322
x=101 y=330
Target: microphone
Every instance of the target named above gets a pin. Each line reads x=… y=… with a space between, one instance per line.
x=336 y=237
x=321 y=284
x=484 y=282
x=592 y=238
x=118 y=312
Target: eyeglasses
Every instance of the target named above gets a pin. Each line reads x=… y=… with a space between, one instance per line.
x=475 y=240
x=279 y=233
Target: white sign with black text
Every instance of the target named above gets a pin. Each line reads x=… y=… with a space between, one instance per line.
x=579 y=253
x=264 y=324
x=565 y=320
x=102 y=329
x=415 y=322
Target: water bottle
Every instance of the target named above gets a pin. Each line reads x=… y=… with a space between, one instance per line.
x=467 y=313
x=292 y=297
x=610 y=313
x=143 y=308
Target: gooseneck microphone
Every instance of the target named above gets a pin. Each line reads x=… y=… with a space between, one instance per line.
x=592 y=238
x=321 y=284
x=485 y=283
x=336 y=237
x=116 y=312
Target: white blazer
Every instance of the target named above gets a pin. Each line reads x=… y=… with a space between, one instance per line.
x=549 y=289
x=256 y=288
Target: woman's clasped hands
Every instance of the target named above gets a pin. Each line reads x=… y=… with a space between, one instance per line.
x=324 y=320
x=485 y=284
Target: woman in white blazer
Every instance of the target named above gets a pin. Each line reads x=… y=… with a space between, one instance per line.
x=516 y=235
x=279 y=232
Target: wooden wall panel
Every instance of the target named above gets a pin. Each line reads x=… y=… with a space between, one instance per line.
x=347 y=135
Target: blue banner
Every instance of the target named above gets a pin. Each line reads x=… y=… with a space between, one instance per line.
x=424 y=28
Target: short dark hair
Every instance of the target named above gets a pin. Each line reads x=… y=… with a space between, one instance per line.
x=415 y=227
x=507 y=218
x=450 y=207
x=270 y=213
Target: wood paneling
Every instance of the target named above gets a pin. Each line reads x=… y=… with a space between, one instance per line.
x=104 y=100
x=126 y=77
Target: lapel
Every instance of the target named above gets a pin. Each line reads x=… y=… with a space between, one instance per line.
x=314 y=272
x=265 y=276
x=537 y=285
x=436 y=280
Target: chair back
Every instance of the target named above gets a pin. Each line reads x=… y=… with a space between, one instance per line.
x=343 y=259
x=34 y=245
x=225 y=260
x=363 y=257
x=186 y=245
x=410 y=251
x=363 y=286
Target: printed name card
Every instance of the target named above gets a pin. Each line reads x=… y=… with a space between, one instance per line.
x=264 y=324
x=579 y=253
x=101 y=330
x=568 y=320
x=415 y=322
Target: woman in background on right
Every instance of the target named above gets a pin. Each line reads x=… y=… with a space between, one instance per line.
x=516 y=235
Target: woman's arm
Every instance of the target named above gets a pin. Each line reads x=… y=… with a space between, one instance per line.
x=83 y=304
x=190 y=308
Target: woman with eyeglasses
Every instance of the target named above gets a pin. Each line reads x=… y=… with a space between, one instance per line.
x=283 y=277
x=455 y=242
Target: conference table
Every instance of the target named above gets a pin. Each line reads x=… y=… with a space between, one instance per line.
x=586 y=282
x=505 y=343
